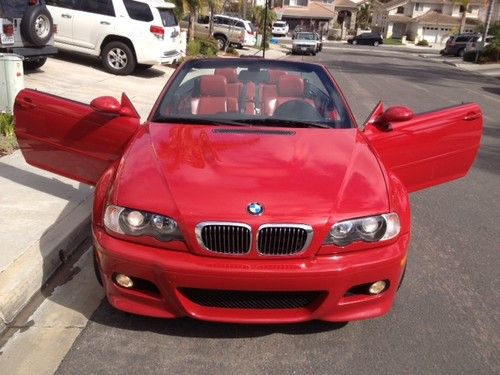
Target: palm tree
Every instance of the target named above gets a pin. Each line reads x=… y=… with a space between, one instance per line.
x=465 y=5
x=363 y=18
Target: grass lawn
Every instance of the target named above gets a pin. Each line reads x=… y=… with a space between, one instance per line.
x=393 y=41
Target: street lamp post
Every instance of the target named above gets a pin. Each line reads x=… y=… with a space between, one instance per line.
x=265 y=29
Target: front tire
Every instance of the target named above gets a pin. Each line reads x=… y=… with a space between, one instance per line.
x=34 y=64
x=354 y=42
x=461 y=52
x=118 y=58
x=375 y=43
x=221 y=42
x=96 y=269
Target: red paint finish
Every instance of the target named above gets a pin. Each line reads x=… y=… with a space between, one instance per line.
x=69 y=138
x=431 y=148
x=201 y=172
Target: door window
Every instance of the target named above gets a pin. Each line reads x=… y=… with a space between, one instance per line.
x=71 y=4
x=138 y=11
x=104 y=7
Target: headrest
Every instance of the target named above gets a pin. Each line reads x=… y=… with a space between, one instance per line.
x=274 y=75
x=230 y=74
x=291 y=86
x=213 y=86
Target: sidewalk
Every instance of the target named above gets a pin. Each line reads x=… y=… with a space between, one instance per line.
x=44 y=216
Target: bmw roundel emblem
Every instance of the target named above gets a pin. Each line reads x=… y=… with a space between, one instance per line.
x=255 y=209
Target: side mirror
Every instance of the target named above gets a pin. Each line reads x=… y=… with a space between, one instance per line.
x=397 y=114
x=108 y=104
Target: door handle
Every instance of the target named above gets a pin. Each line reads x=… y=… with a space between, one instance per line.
x=25 y=104
x=64 y=15
x=472 y=116
x=105 y=23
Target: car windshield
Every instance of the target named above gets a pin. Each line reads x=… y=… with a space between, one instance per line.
x=306 y=36
x=279 y=24
x=248 y=92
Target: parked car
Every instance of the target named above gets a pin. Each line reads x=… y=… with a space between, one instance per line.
x=456 y=44
x=27 y=29
x=125 y=34
x=250 y=195
x=305 y=42
x=280 y=28
x=226 y=30
x=478 y=44
x=372 y=39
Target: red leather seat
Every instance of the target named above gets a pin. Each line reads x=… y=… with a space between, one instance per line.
x=213 y=97
x=234 y=86
x=290 y=87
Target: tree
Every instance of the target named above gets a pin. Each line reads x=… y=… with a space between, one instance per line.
x=465 y=5
x=364 y=16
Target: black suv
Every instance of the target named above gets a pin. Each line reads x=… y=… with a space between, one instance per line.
x=455 y=45
x=27 y=29
x=372 y=39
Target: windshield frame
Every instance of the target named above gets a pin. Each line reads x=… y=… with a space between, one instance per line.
x=333 y=90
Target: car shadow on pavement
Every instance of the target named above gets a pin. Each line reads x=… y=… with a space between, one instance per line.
x=492 y=90
x=95 y=63
x=107 y=315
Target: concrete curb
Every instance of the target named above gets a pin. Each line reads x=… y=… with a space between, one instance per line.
x=37 y=260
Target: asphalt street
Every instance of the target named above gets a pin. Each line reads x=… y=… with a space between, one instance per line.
x=446 y=319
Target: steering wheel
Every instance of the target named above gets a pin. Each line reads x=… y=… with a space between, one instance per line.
x=297 y=110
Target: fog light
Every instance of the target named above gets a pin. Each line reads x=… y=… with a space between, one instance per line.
x=377 y=287
x=124 y=281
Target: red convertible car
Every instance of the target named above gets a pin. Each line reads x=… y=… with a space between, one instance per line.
x=250 y=194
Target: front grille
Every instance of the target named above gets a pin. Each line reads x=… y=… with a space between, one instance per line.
x=286 y=239
x=231 y=299
x=224 y=238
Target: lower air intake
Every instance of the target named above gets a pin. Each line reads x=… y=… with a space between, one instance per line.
x=250 y=300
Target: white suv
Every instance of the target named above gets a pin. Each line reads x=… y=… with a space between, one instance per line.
x=125 y=33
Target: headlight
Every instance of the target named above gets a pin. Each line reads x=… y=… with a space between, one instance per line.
x=367 y=229
x=139 y=223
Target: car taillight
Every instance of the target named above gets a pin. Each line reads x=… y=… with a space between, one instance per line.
x=250 y=32
x=33 y=2
x=157 y=31
x=8 y=29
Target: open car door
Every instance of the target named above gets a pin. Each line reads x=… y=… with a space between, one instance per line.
x=426 y=149
x=70 y=138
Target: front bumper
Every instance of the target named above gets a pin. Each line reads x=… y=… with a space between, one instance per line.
x=173 y=271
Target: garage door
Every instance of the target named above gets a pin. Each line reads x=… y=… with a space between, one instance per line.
x=431 y=34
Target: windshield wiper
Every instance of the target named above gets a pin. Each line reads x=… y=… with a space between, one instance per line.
x=199 y=121
x=285 y=123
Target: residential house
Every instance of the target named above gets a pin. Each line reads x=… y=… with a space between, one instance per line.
x=319 y=15
x=432 y=20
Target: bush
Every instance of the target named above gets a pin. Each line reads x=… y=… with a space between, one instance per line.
x=202 y=47
x=208 y=47
x=6 y=124
x=423 y=43
x=470 y=56
x=232 y=51
x=490 y=54
x=193 y=48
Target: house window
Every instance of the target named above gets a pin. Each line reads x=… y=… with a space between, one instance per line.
x=419 y=7
x=296 y=3
x=400 y=10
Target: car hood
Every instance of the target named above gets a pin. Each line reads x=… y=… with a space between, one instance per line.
x=206 y=173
